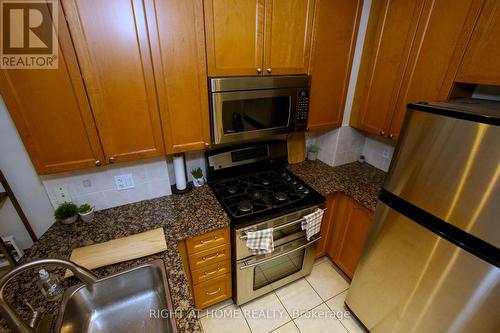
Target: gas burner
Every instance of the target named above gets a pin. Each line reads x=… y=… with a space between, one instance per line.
x=251 y=194
x=232 y=190
x=280 y=196
x=245 y=206
x=256 y=194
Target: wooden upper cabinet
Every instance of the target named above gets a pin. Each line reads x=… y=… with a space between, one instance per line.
x=412 y=53
x=288 y=36
x=180 y=71
x=51 y=112
x=234 y=36
x=481 y=64
x=113 y=50
x=390 y=32
x=440 y=44
x=331 y=58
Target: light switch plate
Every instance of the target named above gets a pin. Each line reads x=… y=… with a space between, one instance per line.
x=124 y=182
x=61 y=194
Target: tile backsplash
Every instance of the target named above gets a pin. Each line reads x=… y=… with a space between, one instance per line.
x=378 y=152
x=339 y=146
x=97 y=186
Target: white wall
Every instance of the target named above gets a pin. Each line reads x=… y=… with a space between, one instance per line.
x=22 y=178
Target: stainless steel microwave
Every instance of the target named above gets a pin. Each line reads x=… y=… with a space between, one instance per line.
x=244 y=108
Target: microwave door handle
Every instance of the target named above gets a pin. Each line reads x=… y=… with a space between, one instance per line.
x=245 y=265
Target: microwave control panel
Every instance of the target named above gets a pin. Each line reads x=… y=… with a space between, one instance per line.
x=302 y=110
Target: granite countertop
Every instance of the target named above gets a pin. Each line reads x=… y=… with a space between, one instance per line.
x=181 y=217
x=360 y=181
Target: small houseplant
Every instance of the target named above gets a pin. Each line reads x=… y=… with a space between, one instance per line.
x=197 y=177
x=86 y=212
x=67 y=213
x=312 y=152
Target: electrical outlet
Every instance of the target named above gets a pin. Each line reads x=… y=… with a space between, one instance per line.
x=385 y=153
x=124 y=182
x=61 y=194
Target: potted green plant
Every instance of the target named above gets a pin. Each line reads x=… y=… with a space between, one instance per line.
x=312 y=152
x=67 y=213
x=198 y=179
x=86 y=212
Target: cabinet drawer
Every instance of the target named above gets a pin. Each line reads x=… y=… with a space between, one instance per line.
x=210 y=256
x=207 y=241
x=210 y=271
x=212 y=291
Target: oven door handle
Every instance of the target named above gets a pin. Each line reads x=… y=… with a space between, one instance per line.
x=245 y=265
x=283 y=226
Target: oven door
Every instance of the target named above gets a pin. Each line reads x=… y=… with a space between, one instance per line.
x=258 y=275
x=251 y=114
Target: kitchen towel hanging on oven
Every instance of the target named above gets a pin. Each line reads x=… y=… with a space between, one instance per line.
x=312 y=223
x=260 y=241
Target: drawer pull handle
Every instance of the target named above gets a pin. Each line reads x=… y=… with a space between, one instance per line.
x=212 y=272
x=210 y=293
x=202 y=242
x=210 y=257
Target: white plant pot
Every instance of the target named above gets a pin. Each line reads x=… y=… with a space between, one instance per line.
x=87 y=217
x=69 y=220
x=197 y=182
x=312 y=156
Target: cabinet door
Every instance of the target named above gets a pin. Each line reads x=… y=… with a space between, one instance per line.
x=326 y=225
x=180 y=72
x=390 y=32
x=51 y=112
x=481 y=64
x=440 y=44
x=112 y=45
x=234 y=32
x=334 y=39
x=352 y=233
x=288 y=36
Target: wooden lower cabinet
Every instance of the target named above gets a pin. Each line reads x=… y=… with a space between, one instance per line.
x=206 y=260
x=212 y=291
x=344 y=231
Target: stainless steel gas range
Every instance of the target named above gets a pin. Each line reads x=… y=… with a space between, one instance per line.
x=258 y=192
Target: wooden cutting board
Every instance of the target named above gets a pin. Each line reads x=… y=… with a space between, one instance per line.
x=296 y=145
x=119 y=250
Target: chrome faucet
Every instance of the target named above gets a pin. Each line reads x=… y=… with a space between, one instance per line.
x=13 y=319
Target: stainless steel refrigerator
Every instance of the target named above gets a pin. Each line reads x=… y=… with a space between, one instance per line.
x=431 y=262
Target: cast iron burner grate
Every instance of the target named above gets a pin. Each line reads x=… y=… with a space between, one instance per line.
x=259 y=192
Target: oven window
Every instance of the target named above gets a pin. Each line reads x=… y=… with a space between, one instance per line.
x=255 y=114
x=277 y=269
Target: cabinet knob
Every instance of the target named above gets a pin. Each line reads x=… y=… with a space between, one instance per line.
x=207 y=144
x=381 y=133
x=97 y=162
x=259 y=70
x=112 y=159
x=269 y=70
x=391 y=136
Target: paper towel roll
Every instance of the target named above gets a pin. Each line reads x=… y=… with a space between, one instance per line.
x=180 y=172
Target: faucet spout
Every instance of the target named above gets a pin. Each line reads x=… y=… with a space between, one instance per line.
x=13 y=319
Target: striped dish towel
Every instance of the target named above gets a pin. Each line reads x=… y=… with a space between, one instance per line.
x=260 y=241
x=312 y=223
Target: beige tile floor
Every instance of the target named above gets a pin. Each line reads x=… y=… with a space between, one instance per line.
x=313 y=304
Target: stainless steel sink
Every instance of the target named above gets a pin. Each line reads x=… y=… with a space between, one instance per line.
x=124 y=302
